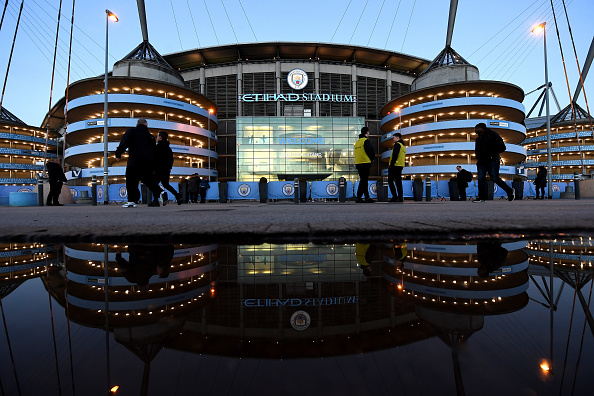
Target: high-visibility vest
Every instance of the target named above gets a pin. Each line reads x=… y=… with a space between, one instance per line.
x=401 y=155
x=360 y=154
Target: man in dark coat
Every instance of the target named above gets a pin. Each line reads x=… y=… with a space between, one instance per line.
x=463 y=178
x=141 y=162
x=194 y=187
x=487 y=147
x=541 y=181
x=164 y=163
x=56 y=178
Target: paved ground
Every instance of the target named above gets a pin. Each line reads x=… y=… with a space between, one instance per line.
x=283 y=222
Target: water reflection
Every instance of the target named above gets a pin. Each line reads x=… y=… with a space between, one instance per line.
x=406 y=317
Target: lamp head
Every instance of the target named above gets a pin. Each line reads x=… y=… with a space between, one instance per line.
x=111 y=16
x=538 y=28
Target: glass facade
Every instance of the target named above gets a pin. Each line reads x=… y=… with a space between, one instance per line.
x=283 y=148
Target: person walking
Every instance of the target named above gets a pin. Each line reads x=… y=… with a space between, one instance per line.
x=141 y=162
x=194 y=188
x=56 y=178
x=395 y=167
x=364 y=155
x=541 y=182
x=204 y=186
x=487 y=147
x=164 y=163
x=462 y=179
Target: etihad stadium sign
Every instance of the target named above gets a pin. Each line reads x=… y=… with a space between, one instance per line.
x=293 y=97
x=297 y=79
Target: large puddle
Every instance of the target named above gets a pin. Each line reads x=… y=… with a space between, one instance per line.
x=479 y=316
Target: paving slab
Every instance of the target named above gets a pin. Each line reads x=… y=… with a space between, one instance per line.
x=286 y=221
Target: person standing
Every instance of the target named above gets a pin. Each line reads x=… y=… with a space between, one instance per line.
x=395 y=167
x=204 y=186
x=462 y=179
x=541 y=181
x=364 y=155
x=194 y=187
x=164 y=163
x=487 y=147
x=56 y=178
x=141 y=162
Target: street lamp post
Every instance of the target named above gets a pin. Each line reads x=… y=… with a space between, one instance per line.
x=113 y=17
x=537 y=29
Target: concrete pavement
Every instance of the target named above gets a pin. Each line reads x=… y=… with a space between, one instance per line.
x=285 y=222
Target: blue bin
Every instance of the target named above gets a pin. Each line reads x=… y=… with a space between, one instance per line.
x=22 y=199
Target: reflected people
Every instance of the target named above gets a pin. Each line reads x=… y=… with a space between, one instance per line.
x=491 y=256
x=144 y=261
x=364 y=253
x=400 y=253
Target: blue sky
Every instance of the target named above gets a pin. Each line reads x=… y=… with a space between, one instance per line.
x=493 y=35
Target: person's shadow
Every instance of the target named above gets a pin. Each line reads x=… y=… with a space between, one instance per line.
x=144 y=261
x=491 y=256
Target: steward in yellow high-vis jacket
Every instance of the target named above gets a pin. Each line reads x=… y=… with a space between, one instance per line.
x=364 y=156
x=395 y=168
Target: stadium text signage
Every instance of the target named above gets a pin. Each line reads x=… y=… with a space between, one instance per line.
x=293 y=97
x=298 y=302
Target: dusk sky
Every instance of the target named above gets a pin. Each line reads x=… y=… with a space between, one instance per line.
x=493 y=35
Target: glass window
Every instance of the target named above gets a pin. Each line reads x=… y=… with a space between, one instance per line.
x=310 y=147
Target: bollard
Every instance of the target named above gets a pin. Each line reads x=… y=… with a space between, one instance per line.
x=342 y=189
x=94 y=190
x=296 y=193
x=223 y=192
x=40 y=191
x=576 y=184
x=263 y=190
x=427 y=189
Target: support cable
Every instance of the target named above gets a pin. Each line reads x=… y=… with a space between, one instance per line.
x=568 y=337
x=66 y=294
x=229 y=19
x=375 y=24
x=41 y=51
x=392 y=25
x=66 y=116
x=513 y=47
x=407 y=26
x=16 y=378
x=49 y=295
x=193 y=24
x=360 y=16
x=81 y=30
x=176 y=27
x=51 y=91
x=248 y=20
x=343 y=14
x=1 y=21
x=503 y=28
x=11 y=51
x=579 y=70
x=212 y=24
x=64 y=42
x=577 y=136
x=543 y=15
x=582 y=341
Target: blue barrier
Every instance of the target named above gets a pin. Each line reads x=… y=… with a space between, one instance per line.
x=443 y=189
x=243 y=190
x=329 y=189
x=6 y=190
x=281 y=190
x=371 y=188
x=213 y=192
x=16 y=198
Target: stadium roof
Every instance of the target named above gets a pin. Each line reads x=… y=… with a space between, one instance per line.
x=294 y=50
